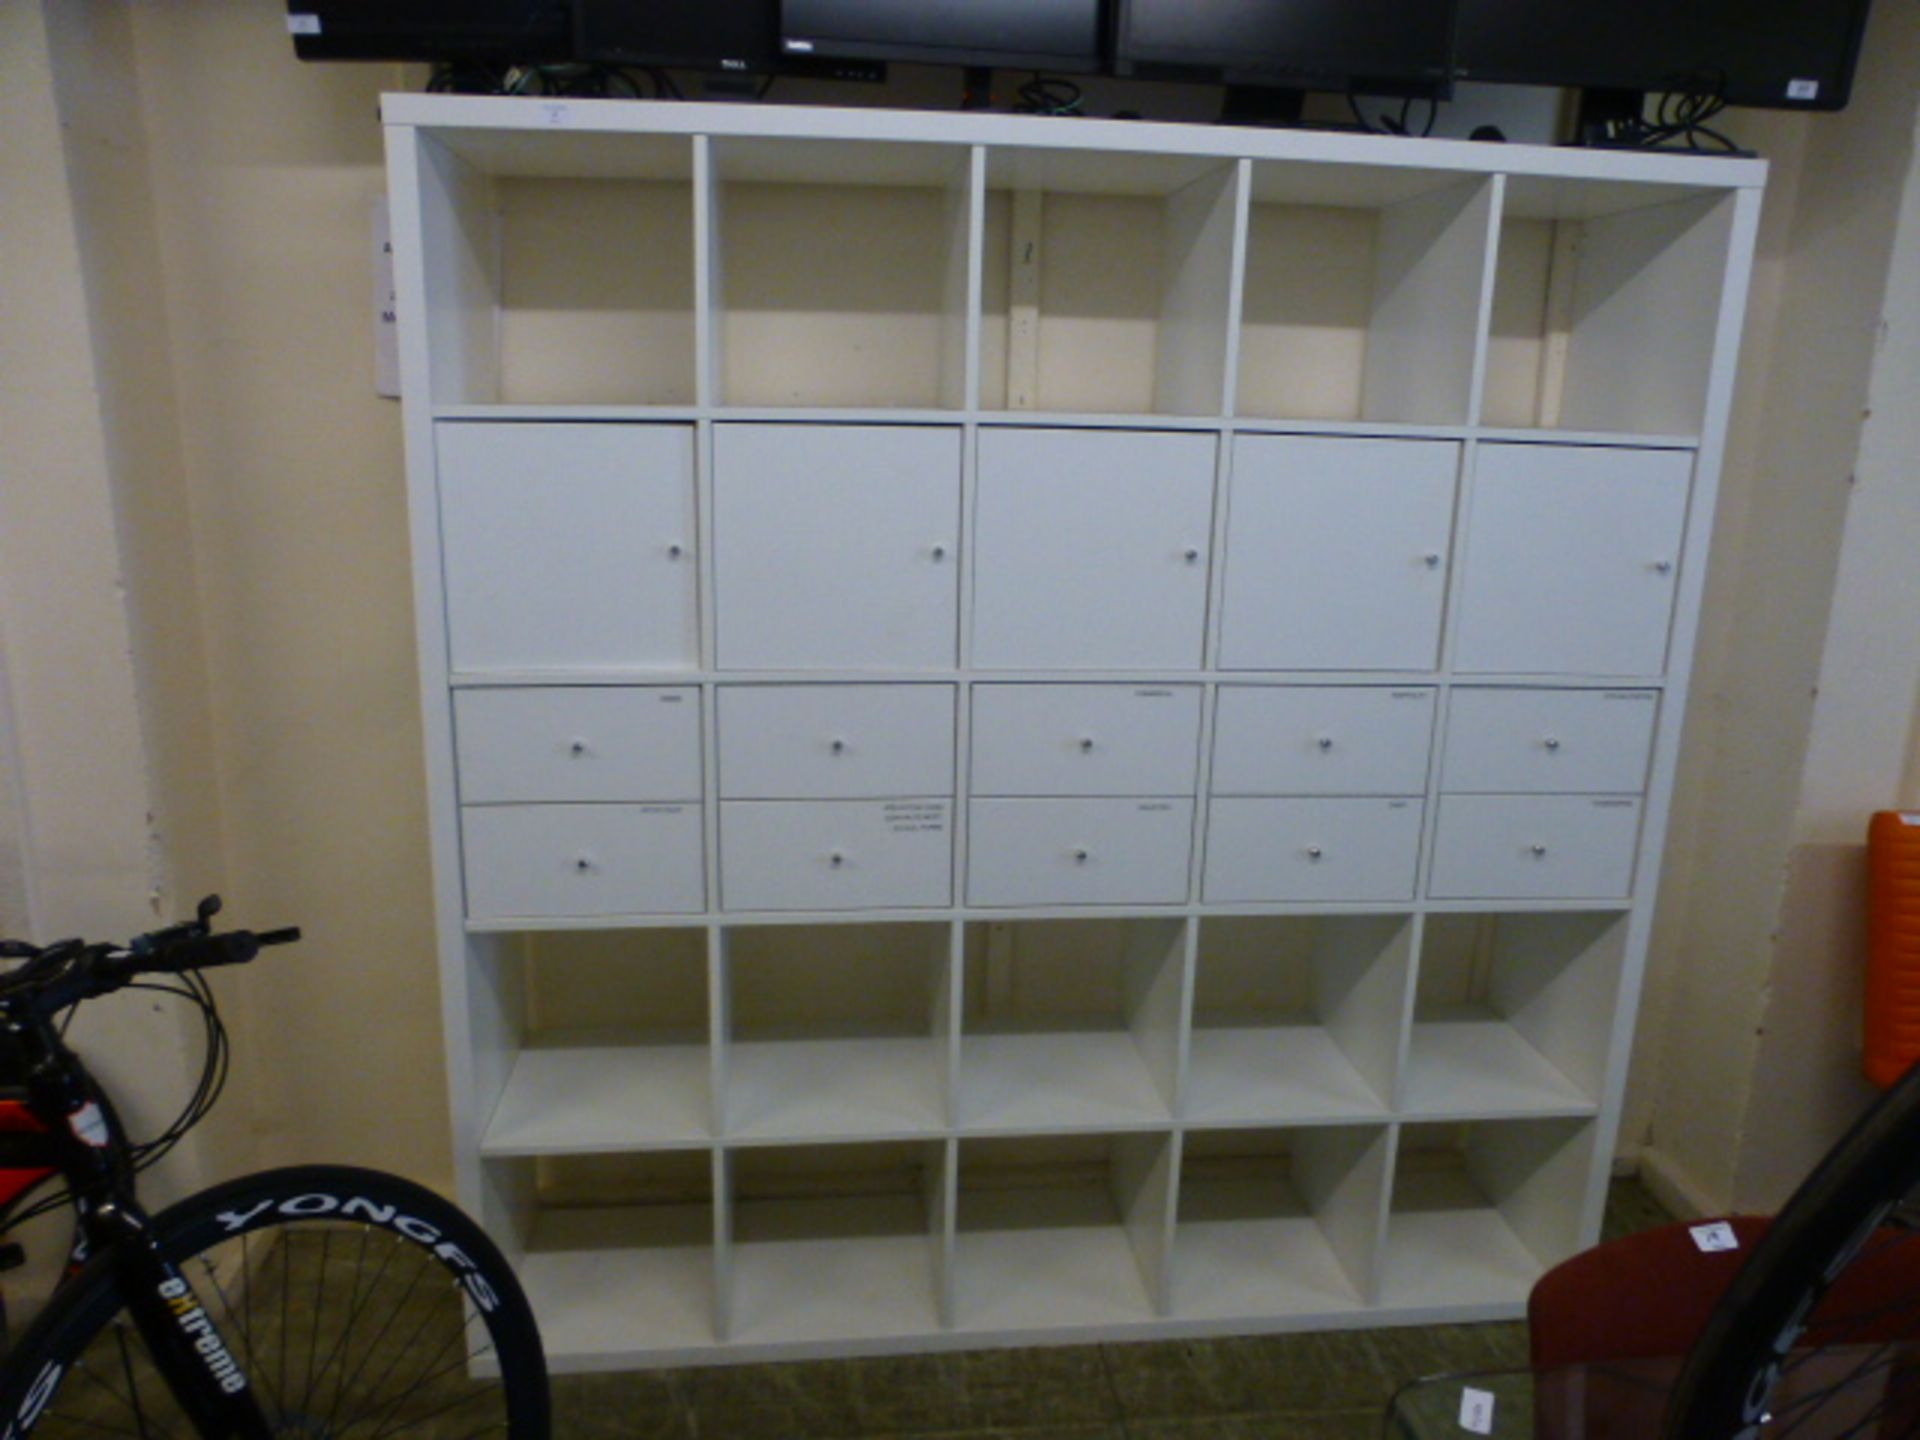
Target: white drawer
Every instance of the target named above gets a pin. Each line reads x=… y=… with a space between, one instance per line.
x=1321 y=740
x=1312 y=849
x=836 y=854
x=546 y=861
x=1534 y=847
x=577 y=743
x=1572 y=741
x=1079 y=852
x=1085 y=739
x=835 y=742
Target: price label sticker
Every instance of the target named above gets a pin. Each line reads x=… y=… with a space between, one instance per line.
x=1476 y=1411
x=1714 y=1238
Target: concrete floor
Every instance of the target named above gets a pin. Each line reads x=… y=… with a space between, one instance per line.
x=1283 y=1387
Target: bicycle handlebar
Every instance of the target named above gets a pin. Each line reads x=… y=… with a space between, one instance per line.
x=68 y=971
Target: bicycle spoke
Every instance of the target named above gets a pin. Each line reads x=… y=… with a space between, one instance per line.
x=399 y=1354
x=374 y=1346
x=340 y=1388
x=319 y=1309
x=133 y=1385
x=466 y=1398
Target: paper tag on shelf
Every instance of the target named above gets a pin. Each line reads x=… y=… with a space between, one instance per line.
x=1476 y=1411
x=298 y=24
x=1715 y=1237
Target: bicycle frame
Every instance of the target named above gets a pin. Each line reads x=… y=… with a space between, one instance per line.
x=79 y=1136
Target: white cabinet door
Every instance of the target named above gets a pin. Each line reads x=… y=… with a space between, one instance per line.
x=1572 y=557
x=577 y=743
x=1312 y=849
x=835 y=742
x=1592 y=742
x=1534 y=847
x=1078 y=852
x=1321 y=740
x=1337 y=553
x=835 y=854
x=835 y=546
x=1091 y=549
x=1085 y=739
x=555 y=861
x=568 y=546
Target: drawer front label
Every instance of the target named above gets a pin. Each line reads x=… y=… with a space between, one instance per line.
x=906 y=817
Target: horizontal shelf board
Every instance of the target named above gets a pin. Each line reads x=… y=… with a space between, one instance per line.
x=856 y=1087
x=1476 y=1065
x=748 y=919
x=563 y=1098
x=475 y=121
x=1281 y=1073
x=573 y=414
x=1539 y=197
x=857 y=1268
x=550 y=154
x=776 y=160
x=1617 y=439
x=1035 y=1260
x=613 y=1281
x=835 y=415
x=624 y=675
x=1447 y=1246
x=1252 y=424
x=1056 y=1080
x=1094 y=420
x=1232 y=1262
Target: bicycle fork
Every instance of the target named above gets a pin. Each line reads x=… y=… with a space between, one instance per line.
x=191 y=1354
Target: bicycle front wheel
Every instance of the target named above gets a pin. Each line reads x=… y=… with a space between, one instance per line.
x=359 y=1306
x=1819 y=1334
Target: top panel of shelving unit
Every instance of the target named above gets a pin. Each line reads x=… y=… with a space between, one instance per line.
x=642 y=254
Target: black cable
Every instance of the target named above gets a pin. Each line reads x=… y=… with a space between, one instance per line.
x=1049 y=95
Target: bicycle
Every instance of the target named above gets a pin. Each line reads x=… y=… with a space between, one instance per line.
x=317 y=1302
x=1819 y=1333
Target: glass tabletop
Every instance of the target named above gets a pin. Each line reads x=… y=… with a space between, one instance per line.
x=1858 y=1391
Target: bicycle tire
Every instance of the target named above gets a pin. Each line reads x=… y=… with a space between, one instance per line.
x=379 y=1338
x=1801 y=1289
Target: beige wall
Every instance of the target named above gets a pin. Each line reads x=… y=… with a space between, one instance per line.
x=224 y=351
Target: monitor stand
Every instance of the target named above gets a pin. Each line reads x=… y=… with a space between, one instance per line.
x=1262 y=105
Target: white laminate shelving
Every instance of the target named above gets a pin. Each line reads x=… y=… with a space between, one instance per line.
x=1039 y=729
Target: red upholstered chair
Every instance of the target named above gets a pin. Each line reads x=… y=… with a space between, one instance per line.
x=1638 y=1297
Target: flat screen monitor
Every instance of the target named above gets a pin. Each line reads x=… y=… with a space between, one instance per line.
x=690 y=34
x=1028 y=34
x=506 y=31
x=1790 y=54
x=1303 y=44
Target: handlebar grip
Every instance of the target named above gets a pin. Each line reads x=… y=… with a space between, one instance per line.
x=203 y=952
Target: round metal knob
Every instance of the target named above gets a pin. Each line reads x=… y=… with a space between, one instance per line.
x=1432 y=559
x=1080 y=857
x=939 y=552
x=676 y=550
x=1314 y=852
x=1552 y=742
x=837 y=745
x=1663 y=567
x=583 y=863
x=1325 y=742
x=1192 y=554
x=1086 y=744
x=577 y=747
x=1538 y=850
x=837 y=859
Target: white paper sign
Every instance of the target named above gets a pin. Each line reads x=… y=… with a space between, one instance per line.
x=1476 y=1411
x=303 y=24
x=386 y=319
x=1715 y=1237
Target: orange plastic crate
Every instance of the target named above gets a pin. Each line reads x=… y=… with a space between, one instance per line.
x=1893 y=936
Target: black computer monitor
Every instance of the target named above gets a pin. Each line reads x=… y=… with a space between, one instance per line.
x=1299 y=44
x=1028 y=34
x=496 y=31
x=1790 y=54
x=690 y=34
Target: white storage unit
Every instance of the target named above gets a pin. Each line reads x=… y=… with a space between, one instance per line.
x=1044 y=730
